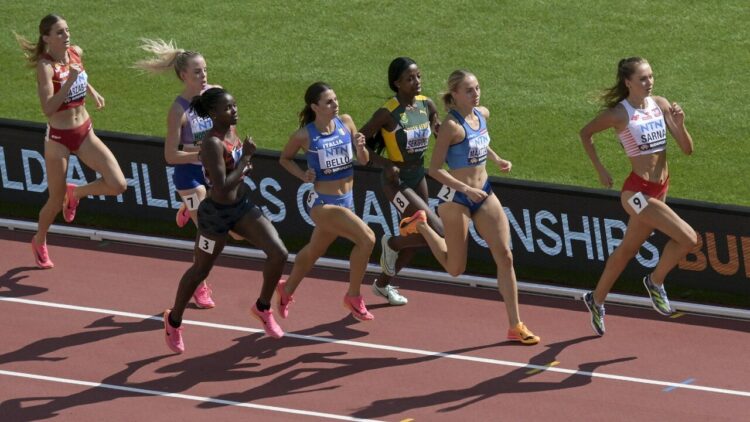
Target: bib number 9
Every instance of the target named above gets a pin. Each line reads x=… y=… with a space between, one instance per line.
x=638 y=202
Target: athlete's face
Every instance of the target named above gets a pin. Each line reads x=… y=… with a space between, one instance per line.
x=327 y=106
x=641 y=82
x=196 y=73
x=467 y=93
x=410 y=81
x=58 y=37
x=225 y=111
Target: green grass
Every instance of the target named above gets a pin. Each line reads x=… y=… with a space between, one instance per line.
x=540 y=64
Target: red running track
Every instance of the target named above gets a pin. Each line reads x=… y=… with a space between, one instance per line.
x=83 y=341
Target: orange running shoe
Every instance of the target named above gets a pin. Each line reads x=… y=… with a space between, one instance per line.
x=409 y=225
x=70 y=203
x=522 y=334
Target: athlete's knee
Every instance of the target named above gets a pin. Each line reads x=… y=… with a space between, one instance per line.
x=366 y=240
x=277 y=254
x=504 y=258
x=690 y=241
x=455 y=269
x=118 y=185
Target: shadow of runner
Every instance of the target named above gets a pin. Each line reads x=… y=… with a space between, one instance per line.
x=10 y=280
x=512 y=382
x=38 y=350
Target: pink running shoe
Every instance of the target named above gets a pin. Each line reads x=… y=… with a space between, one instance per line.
x=70 y=203
x=183 y=216
x=41 y=255
x=356 y=304
x=173 y=336
x=269 y=323
x=202 y=297
x=284 y=299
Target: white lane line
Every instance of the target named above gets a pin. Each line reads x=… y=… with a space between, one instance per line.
x=405 y=350
x=179 y=396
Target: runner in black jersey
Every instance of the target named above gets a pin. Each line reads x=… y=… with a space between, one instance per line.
x=402 y=127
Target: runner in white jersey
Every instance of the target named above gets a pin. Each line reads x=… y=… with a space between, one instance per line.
x=641 y=122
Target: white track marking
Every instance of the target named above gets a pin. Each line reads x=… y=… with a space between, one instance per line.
x=178 y=396
x=398 y=349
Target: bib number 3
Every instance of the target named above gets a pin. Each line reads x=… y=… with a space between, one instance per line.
x=206 y=245
x=638 y=202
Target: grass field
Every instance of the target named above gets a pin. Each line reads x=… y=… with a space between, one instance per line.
x=540 y=64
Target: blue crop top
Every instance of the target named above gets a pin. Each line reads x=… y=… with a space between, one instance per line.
x=330 y=155
x=472 y=150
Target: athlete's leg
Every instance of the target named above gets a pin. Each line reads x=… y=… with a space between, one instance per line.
x=208 y=246
x=56 y=158
x=343 y=222
x=492 y=225
x=682 y=237
x=259 y=231
x=320 y=240
x=99 y=158
x=450 y=251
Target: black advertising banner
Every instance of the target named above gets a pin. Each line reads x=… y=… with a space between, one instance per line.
x=560 y=231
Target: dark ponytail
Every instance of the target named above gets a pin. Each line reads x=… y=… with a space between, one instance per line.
x=396 y=68
x=312 y=96
x=204 y=103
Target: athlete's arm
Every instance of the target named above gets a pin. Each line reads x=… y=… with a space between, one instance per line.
x=172 y=154
x=98 y=98
x=297 y=141
x=362 y=154
x=675 y=118
x=605 y=120
x=378 y=121
x=50 y=101
x=450 y=132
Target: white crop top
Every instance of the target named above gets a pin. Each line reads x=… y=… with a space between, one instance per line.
x=646 y=132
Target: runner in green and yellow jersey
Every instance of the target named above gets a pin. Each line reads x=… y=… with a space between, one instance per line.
x=402 y=127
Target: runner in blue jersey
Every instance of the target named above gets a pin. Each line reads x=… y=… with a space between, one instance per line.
x=185 y=131
x=328 y=141
x=463 y=144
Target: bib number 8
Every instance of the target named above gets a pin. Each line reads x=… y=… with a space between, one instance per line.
x=400 y=202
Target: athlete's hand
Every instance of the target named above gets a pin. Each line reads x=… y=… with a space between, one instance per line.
x=392 y=174
x=73 y=71
x=309 y=176
x=677 y=114
x=248 y=147
x=504 y=165
x=475 y=195
x=99 y=100
x=605 y=178
x=359 y=141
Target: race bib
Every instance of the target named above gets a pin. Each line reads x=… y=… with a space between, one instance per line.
x=638 y=202
x=206 y=245
x=311 y=198
x=446 y=193
x=336 y=158
x=478 y=149
x=400 y=202
x=417 y=139
x=191 y=201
